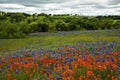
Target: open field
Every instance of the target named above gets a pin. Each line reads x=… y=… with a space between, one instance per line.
x=75 y=55
x=59 y=40
x=54 y=40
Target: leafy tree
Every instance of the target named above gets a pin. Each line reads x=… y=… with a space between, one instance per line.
x=24 y=28
x=33 y=26
x=61 y=25
x=18 y=25
x=116 y=25
x=43 y=26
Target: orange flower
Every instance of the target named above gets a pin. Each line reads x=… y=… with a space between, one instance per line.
x=50 y=76
x=30 y=75
x=114 y=66
x=36 y=65
x=59 y=67
x=55 y=69
x=14 y=79
x=66 y=67
x=80 y=78
x=108 y=75
x=113 y=78
x=8 y=76
x=89 y=73
x=95 y=77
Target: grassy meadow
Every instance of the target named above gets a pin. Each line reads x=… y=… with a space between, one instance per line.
x=73 y=55
x=47 y=40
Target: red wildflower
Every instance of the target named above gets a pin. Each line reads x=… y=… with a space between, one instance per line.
x=14 y=79
x=89 y=73
x=8 y=76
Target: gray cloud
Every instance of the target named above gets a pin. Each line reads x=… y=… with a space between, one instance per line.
x=118 y=10
x=114 y=2
x=85 y=7
x=99 y=6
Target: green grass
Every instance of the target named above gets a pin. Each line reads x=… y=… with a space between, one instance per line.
x=53 y=42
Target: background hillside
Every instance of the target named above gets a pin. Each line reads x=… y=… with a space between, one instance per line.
x=19 y=25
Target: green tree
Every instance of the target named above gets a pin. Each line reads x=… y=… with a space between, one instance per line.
x=61 y=25
x=33 y=26
x=43 y=26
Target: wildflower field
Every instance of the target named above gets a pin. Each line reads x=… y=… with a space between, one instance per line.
x=95 y=60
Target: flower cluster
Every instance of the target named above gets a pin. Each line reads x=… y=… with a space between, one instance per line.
x=95 y=61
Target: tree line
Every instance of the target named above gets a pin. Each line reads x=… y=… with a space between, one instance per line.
x=19 y=25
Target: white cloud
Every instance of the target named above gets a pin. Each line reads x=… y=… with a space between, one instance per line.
x=17 y=8
x=11 y=6
x=85 y=7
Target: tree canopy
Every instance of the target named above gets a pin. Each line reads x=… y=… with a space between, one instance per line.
x=19 y=25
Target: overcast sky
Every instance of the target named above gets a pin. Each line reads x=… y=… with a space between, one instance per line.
x=83 y=7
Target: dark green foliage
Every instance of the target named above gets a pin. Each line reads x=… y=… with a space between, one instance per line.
x=61 y=25
x=43 y=27
x=10 y=30
x=19 y=25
